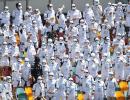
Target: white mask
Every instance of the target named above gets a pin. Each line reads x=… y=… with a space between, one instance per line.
x=39 y=81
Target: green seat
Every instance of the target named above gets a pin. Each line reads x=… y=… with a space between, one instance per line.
x=74 y=70
x=20 y=94
x=117 y=88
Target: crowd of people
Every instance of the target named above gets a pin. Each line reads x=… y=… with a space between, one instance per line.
x=60 y=55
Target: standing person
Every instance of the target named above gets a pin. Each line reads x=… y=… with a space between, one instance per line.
x=94 y=28
x=39 y=89
x=37 y=17
x=17 y=15
x=83 y=31
x=26 y=73
x=66 y=67
x=50 y=14
x=31 y=52
x=119 y=67
x=127 y=21
x=61 y=18
x=60 y=48
x=99 y=92
x=97 y=9
x=105 y=64
x=105 y=46
x=87 y=85
x=7 y=88
x=105 y=29
x=74 y=14
x=110 y=86
x=34 y=33
x=119 y=12
x=88 y=14
x=61 y=88
x=5 y=16
x=45 y=69
x=53 y=65
x=51 y=87
x=71 y=90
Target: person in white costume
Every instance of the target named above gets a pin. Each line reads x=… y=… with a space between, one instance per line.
x=110 y=86
x=17 y=15
x=5 y=16
x=51 y=87
x=39 y=89
x=50 y=14
x=26 y=73
x=99 y=89
x=71 y=90
x=61 y=86
x=88 y=14
x=74 y=14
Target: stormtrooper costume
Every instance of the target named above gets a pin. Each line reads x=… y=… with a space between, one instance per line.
x=87 y=85
x=110 y=86
x=105 y=64
x=99 y=90
x=87 y=49
x=45 y=69
x=22 y=34
x=60 y=48
x=105 y=29
x=34 y=33
x=36 y=16
x=93 y=65
x=42 y=53
x=119 y=68
x=94 y=28
x=39 y=89
x=120 y=28
x=83 y=32
x=28 y=18
x=97 y=9
x=74 y=14
x=81 y=65
x=53 y=65
x=5 y=16
x=17 y=15
x=50 y=48
x=50 y=14
x=61 y=18
x=26 y=73
x=88 y=14
x=16 y=70
x=61 y=86
x=128 y=15
x=4 y=61
x=109 y=14
x=105 y=47
x=31 y=52
x=7 y=89
x=66 y=67
x=51 y=87
x=71 y=31
x=71 y=90
x=74 y=48
x=119 y=12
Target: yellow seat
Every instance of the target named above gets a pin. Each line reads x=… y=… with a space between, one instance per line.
x=28 y=91
x=99 y=35
x=17 y=39
x=119 y=95
x=80 y=96
x=123 y=86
